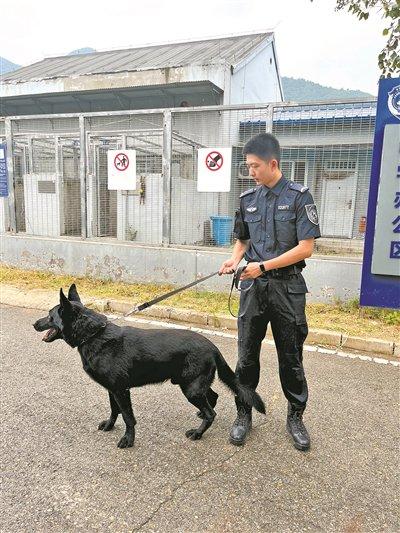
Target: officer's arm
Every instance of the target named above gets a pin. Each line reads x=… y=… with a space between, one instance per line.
x=239 y=250
x=242 y=235
x=303 y=250
x=229 y=266
x=307 y=230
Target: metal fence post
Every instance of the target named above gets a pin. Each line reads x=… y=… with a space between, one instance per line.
x=269 y=119
x=10 y=170
x=166 y=168
x=82 y=173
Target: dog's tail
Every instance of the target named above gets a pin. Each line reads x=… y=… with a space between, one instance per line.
x=245 y=395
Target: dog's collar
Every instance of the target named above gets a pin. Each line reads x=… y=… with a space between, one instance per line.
x=92 y=335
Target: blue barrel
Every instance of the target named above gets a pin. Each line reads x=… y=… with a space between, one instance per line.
x=221 y=229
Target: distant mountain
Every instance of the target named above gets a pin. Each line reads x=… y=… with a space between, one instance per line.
x=82 y=51
x=303 y=90
x=7 y=66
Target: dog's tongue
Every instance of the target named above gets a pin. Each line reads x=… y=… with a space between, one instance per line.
x=48 y=333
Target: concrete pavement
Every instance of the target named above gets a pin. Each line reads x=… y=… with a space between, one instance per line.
x=61 y=474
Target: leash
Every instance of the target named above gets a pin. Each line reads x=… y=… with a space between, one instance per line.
x=235 y=283
x=145 y=305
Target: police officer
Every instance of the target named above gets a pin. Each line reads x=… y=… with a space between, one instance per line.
x=275 y=229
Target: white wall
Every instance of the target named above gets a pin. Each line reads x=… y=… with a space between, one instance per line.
x=144 y=218
x=257 y=80
x=42 y=210
x=189 y=210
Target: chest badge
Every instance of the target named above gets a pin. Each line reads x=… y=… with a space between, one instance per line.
x=251 y=209
x=283 y=207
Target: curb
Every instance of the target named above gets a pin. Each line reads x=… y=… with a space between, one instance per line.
x=319 y=337
x=44 y=300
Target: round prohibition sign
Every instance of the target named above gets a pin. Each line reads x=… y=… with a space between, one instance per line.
x=121 y=161
x=214 y=161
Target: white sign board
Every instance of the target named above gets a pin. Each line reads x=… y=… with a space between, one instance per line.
x=214 y=167
x=121 y=170
x=386 y=251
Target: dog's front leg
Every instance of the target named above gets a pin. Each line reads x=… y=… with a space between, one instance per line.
x=108 y=424
x=123 y=399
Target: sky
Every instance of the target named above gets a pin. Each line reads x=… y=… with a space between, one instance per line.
x=312 y=40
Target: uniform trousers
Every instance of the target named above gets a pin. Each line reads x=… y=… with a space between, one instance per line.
x=281 y=302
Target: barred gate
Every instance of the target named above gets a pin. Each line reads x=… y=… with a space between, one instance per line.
x=127 y=215
x=59 y=169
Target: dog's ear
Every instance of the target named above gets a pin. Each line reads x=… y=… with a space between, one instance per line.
x=73 y=295
x=65 y=304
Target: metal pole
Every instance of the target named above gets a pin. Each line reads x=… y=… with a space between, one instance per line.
x=269 y=119
x=166 y=167
x=82 y=173
x=10 y=171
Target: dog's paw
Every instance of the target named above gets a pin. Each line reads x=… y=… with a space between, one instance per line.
x=193 y=434
x=126 y=442
x=106 y=425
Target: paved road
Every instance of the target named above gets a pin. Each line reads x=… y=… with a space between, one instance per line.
x=60 y=474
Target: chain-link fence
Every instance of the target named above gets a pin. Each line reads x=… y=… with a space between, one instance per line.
x=59 y=170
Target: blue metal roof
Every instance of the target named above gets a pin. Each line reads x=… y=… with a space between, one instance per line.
x=308 y=114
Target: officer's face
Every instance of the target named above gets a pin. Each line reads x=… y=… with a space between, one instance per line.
x=263 y=171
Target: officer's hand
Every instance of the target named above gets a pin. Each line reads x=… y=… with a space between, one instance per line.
x=228 y=267
x=252 y=271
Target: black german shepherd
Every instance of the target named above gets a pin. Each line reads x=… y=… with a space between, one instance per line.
x=119 y=358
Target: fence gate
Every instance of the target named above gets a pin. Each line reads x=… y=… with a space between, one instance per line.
x=47 y=185
x=101 y=202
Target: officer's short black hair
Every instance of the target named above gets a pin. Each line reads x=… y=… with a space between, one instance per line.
x=264 y=146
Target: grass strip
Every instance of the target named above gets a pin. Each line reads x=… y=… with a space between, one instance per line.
x=345 y=317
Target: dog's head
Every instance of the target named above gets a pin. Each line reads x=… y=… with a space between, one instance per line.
x=52 y=323
x=70 y=320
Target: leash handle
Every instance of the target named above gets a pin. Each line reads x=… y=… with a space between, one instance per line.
x=236 y=283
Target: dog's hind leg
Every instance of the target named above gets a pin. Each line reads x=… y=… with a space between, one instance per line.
x=199 y=399
x=108 y=424
x=212 y=398
x=123 y=399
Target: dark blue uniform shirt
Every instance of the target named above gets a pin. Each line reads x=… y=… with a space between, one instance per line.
x=276 y=219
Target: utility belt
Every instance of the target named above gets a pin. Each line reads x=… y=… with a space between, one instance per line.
x=282 y=273
x=276 y=273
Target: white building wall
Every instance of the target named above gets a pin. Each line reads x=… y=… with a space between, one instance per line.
x=256 y=81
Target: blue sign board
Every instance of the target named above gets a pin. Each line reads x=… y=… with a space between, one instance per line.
x=3 y=171
x=380 y=285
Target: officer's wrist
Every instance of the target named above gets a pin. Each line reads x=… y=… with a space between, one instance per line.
x=265 y=263
x=261 y=265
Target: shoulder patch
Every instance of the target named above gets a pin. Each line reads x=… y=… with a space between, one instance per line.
x=297 y=187
x=249 y=191
x=312 y=213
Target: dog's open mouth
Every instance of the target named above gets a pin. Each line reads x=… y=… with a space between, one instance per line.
x=50 y=335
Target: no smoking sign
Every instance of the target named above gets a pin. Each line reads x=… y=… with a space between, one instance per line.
x=214 y=169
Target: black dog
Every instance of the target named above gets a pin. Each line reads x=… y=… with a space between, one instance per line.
x=119 y=358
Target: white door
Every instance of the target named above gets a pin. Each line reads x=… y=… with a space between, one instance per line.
x=42 y=204
x=337 y=209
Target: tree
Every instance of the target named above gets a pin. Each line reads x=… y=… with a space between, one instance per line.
x=389 y=57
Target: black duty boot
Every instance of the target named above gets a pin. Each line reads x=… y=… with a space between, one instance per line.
x=296 y=427
x=241 y=427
